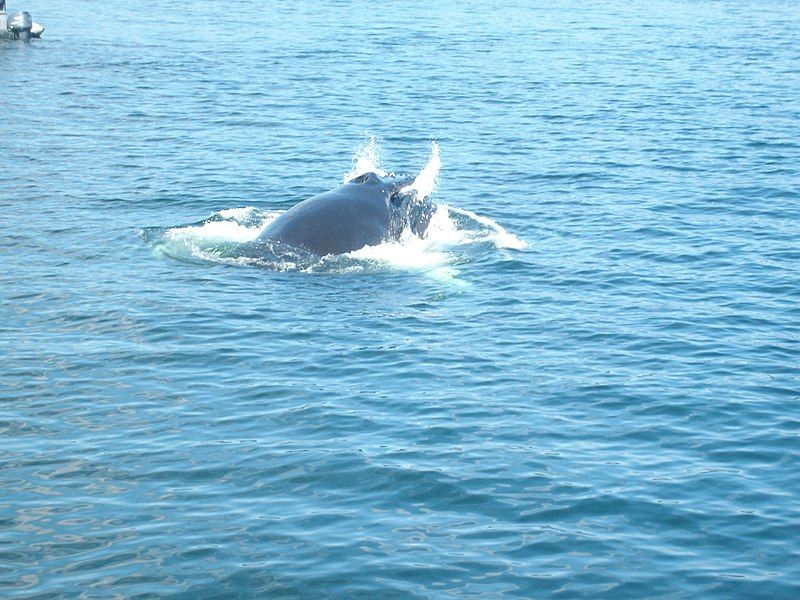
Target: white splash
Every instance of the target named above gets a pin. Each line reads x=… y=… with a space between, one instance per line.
x=367 y=159
x=240 y=214
x=492 y=231
x=425 y=182
x=431 y=254
x=237 y=225
x=212 y=239
x=409 y=252
x=443 y=232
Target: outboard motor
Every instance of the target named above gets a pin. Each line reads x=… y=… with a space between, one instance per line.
x=19 y=25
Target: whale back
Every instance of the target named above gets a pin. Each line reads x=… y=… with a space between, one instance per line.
x=342 y=220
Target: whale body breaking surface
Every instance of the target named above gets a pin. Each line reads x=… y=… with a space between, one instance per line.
x=373 y=220
x=365 y=211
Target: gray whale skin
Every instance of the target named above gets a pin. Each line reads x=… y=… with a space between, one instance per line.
x=365 y=211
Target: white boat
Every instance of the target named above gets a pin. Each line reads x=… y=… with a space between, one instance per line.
x=18 y=25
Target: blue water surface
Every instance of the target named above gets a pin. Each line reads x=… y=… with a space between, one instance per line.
x=609 y=411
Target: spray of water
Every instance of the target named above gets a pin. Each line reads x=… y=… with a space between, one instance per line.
x=367 y=159
x=425 y=182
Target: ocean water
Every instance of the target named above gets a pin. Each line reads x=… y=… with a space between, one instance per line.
x=584 y=382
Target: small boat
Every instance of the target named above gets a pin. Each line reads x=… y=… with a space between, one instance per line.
x=18 y=25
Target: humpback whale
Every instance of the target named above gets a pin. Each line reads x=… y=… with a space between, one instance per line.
x=365 y=211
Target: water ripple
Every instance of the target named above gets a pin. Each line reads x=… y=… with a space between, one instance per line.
x=586 y=388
